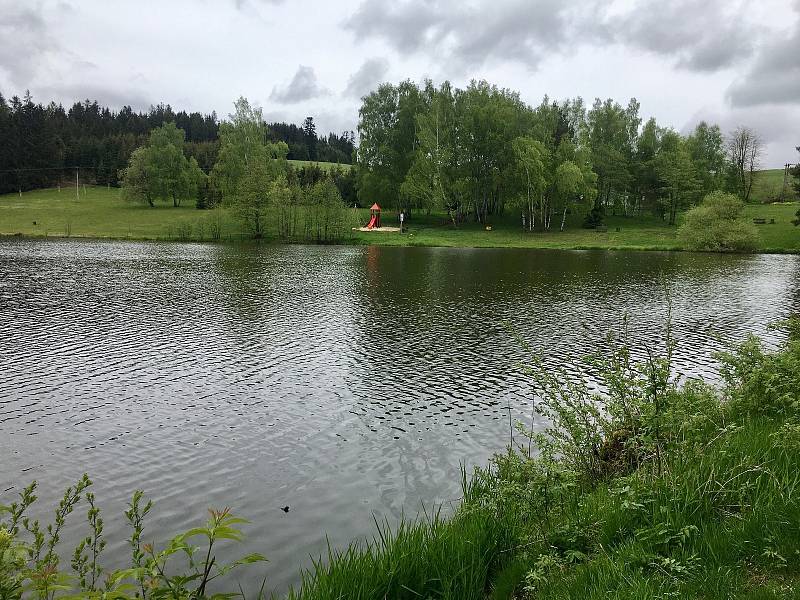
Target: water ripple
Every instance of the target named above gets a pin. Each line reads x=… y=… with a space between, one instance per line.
x=344 y=382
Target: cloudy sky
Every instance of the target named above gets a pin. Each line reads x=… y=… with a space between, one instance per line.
x=726 y=61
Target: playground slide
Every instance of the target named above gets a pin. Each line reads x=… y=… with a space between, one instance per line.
x=371 y=223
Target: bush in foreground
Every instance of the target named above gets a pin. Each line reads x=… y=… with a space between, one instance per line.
x=30 y=560
x=717 y=224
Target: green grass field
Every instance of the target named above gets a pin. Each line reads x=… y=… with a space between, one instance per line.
x=101 y=213
x=325 y=166
x=768 y=185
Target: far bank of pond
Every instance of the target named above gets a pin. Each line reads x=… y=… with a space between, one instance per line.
x=101 y=213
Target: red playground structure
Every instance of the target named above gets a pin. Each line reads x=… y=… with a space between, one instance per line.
x=375 y=216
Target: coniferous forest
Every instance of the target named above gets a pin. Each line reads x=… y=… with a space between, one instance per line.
x=44 y=144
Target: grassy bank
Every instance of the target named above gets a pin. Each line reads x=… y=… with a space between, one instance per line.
x=673 y=493
x=101 y=213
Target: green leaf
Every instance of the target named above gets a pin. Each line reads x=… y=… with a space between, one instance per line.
x=245 y=560
x=196 y=531
x=117 y=576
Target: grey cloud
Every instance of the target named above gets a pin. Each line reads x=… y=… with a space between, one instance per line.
x=241 y=4
x=715 y=53
x=521 y=31
x=366 y=77
x=705 y=36
x=105 y=95
x=406 y=25
x=25 y=42
x=471 y=34
x=770 y=122
x=699 y=37
x=774 y=77
x=303 y=86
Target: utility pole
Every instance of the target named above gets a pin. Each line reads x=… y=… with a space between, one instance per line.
x=77 y=186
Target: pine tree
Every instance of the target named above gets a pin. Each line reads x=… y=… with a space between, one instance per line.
x=310 y=135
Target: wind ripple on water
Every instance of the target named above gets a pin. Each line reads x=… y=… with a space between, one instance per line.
x=343 y=381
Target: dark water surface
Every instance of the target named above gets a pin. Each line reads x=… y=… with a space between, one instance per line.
x=345 y=382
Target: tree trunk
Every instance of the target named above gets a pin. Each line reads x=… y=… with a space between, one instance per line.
x=541 y=212
x=563 y=217
x=673 y=209
x=749 y=188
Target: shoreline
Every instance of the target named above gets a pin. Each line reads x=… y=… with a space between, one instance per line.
x=101 y=214
x=362 y=242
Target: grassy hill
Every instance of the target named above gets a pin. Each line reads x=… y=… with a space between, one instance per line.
x=768 y=185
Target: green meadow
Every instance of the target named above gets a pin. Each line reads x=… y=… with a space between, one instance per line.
x=769 y=185
x=325 y=166
x=100 y=212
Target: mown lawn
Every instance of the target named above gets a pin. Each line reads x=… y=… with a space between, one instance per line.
x=100 y=212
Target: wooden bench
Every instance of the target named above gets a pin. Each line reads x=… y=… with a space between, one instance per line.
x=601 y=228
x=758 y=221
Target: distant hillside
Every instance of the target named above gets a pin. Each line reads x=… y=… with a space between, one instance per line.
x=768 y=185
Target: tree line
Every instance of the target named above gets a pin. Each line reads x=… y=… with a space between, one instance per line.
x=478 y=151
x=43 y=144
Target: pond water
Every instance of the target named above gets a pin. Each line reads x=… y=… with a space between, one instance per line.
x=345 y=382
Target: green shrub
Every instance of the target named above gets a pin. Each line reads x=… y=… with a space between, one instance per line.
x=717 y=224
x=761 y=383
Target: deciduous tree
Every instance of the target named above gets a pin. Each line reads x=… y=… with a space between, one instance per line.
x=531 y=163
x=707 y=148
x=744 y=153
x=676 y=172
x=253 y=194
x=161 y=171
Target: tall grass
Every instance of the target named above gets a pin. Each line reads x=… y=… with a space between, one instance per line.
x=431 y=557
